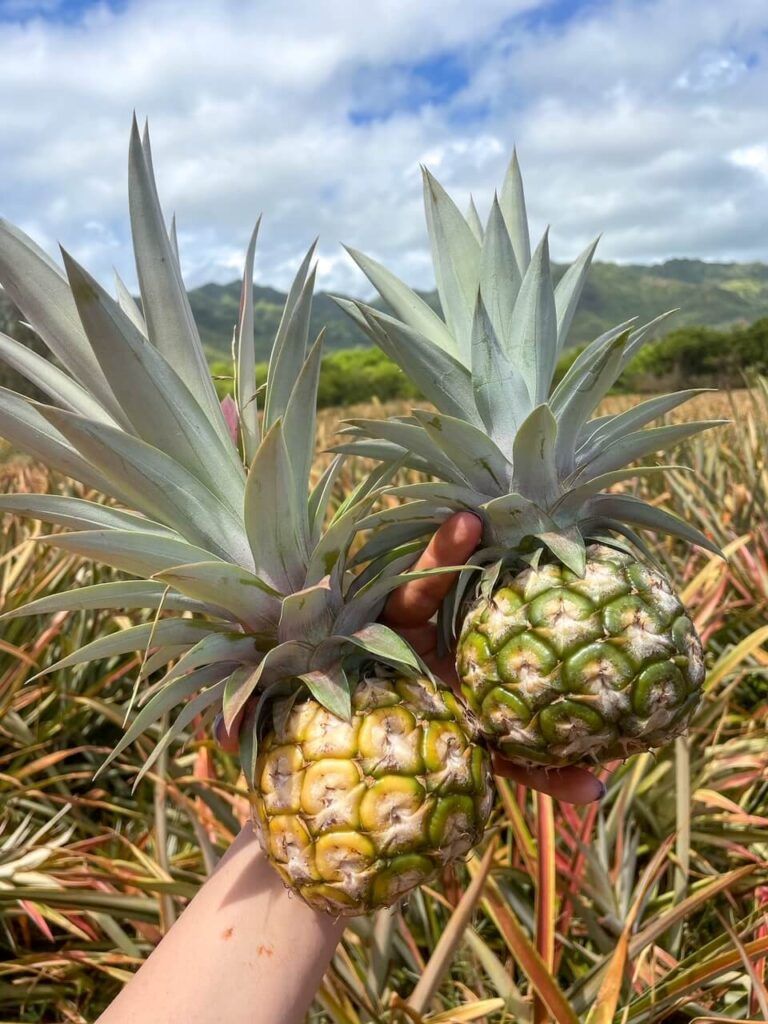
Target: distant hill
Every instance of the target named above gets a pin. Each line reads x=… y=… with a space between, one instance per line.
x=711 y=294
x=708 y=294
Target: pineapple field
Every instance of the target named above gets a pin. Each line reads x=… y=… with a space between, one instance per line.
x=649 y=907
x=479 y=682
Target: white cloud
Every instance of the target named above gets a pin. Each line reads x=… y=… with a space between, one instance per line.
x=644 y=120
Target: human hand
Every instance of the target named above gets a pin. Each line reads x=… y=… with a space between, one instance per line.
x=409 y=611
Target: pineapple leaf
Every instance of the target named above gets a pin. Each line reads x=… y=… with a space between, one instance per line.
x=214 y=648
x=287 y=660
x=274 y=524
x=24 y=426
x=634 y=446
x=512 y=203
x=584 y=361
x=334 y=543
x=156 y=401
x=607 y=429
x=534 y=457
x=123 y=594
x=383 y=644
x=170 y=324
x=307 y=615
x=500 y=277
x=478 y=458
x=567 y=545
x=387 y=541
x=472 y=218
x=49 y=378
x=456 y=258
x=299 y=429
x=582 y=401
x=568 y=292
x=239 y=687
x=135 y=638
x=628 y=509
x=331 y=688
x=156 y=484
x=78 y=514
x=639 y=337
x=249 y=742
x=572 y=500
x=40 y=290
x=405 y=303
x=245 y=348
x=161 y=703
x=425 y=511
x=511 y=518
x=129 y=305
x=381 y=451
x=320 y=497
x=533 y=338
x=290 y=346
x=501 y=395
x=460 y=497
x=244 y=595
x=161 y=657
x=411 y=436
x=442 y=380
x=186 y=717
x=141 y=554
x=368 y=601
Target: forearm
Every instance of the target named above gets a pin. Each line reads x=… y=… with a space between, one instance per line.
x=243 y=952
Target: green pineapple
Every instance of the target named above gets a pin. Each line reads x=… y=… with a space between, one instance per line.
x=572 y=646
x=365 y=779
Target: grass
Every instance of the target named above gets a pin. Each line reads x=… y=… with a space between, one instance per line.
x=651 y=907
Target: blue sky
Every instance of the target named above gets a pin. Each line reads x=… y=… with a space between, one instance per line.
x=644 y=120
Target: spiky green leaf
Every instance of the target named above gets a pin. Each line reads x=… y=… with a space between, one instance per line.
x=532 y=343
x=57 y=384
x=405 y=303
x=229 y=586
x=170 y=324
x=501 y=394
x=40 y=290
x=274 y=524
x=456 y=259
x=245 y=348
x=158 y=404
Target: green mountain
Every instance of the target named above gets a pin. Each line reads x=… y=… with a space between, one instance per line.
x=711 y=294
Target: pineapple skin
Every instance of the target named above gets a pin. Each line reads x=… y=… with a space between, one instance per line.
x=353 y=815
x=561 y=670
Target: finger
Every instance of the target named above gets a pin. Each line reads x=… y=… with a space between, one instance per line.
x=423 y=639
x=417 y=601
x=227 y=739
x=571 y=785
x=444 y=668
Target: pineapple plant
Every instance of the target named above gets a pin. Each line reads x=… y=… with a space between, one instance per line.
x=572 y=646
x=364 y=775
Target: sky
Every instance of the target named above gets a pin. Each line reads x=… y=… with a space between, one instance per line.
x=643 y=120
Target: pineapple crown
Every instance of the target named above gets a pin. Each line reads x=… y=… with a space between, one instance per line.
x=231 y=540
x=527 y=455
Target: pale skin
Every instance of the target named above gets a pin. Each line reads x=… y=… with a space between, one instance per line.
x=246 y=951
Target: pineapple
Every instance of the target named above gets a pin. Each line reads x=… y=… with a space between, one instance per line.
x=364 y=775
x=355 y=813
x=572 y=646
